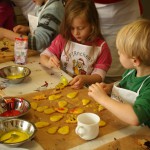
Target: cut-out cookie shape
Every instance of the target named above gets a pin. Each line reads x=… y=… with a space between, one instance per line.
x=71 y=119
x=63 y=130
x=100 y=108
x=62 y=103
x=42 y=124
x=56 y=118
x=62 y=109
x=40 y=97
x=85 y=101
x=76 y=110
x=54 y=97
x=72 y=95
x=102 y=123
x=41 y=108
x=52 y=130
x=49 y=111
x=34 y=105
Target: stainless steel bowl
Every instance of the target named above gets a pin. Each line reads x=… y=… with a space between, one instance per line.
x=13 y=107
x=14 y=126
x=14 y=74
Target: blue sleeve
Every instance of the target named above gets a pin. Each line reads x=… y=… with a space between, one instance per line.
x=48 y=26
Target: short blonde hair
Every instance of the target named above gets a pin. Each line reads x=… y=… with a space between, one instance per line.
x=134 y=40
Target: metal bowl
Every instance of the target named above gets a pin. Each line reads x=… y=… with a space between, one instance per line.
x=13 y=107
x=19 y=127
x=14 y=74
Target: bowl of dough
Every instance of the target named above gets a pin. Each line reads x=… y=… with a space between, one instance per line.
x=15 y=132
x=14 y=74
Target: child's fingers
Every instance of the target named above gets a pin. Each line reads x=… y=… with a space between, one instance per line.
x=55 y=62
x=73 y=81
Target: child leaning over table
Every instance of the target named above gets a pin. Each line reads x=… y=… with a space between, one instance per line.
x=43 y=22
x=133 y=91
x=79 y=49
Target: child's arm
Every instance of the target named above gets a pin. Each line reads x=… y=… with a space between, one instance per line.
x=4 y=33
x=21 y=29
x=49 y=60
x=123 y=111
x=81 y=80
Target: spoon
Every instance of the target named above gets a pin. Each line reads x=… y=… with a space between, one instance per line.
x=14 y=136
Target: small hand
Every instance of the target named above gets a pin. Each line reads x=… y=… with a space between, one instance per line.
x=107 y=87
x=97 y=92
x=77 y=82
x=21 y=29
x=54 y=62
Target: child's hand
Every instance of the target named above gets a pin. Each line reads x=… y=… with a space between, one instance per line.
x=21 y=29
x=97 y=92
x=77 y=82
x=107 y=87
x=54 y=62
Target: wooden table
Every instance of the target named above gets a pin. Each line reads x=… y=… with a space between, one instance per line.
x=63 y=142
x=7 y=51
x=114 y=128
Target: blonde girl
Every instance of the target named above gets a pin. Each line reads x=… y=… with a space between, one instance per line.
x=133 y=91
x=79 y=49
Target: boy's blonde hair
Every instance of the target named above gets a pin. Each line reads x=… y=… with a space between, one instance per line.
x=74 y=8
x=134 y=40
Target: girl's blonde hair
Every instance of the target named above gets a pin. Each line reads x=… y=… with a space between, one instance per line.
x=74 y=8
x=133 y=40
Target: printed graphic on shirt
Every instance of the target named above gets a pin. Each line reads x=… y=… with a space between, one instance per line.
x=78 y=66
x=80 y=59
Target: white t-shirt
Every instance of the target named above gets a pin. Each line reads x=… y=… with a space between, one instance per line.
x=25 y=5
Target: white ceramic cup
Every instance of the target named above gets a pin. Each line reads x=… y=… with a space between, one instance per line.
x=87 y=126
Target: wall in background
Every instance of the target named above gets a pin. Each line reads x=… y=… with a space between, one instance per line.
x=146 y=8
x=20 y=19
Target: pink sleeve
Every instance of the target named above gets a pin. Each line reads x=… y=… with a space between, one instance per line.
x=57 y=46
x=104 y=60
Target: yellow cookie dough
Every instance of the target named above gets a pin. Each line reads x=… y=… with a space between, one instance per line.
x=52 y=130
x=54 y=97
x=71 y=119
x=42 y=124
x=40 y=97
x=72 y=94
x=49 y=111
x=56 y=118
x=34 y=105
x=102 y=123
x=63 y=130
x=100 y=108
x=77 y=110
x=62 y=103
x=85 y=101
x=62 y=109
x=41 y=108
